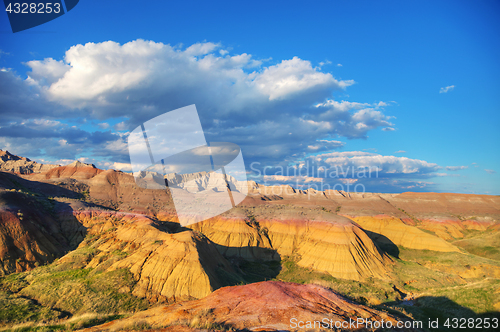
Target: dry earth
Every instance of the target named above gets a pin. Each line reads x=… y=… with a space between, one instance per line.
x=52 y=214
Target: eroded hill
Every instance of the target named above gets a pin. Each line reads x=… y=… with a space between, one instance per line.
x=78 y=240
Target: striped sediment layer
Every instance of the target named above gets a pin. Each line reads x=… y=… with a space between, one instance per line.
x=401 y=234
x=332 y=244
x=166 y=266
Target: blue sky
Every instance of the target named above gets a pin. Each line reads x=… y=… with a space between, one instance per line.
x=377 y=69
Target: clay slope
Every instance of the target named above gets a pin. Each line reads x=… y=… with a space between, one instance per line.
x=264 y=306
x=407 y=219
x=450 y=228
x=401 y=234
x=166 y=266
x=30 y=235
x=120 y=191
x=326 y=242
x=23 y=244
x=117 y=190
x=236 y=238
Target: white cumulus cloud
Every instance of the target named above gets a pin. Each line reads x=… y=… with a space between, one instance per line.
x=447 y=89
x=384 y=164
x=295 y=76
x=276 y=112
x=455 y=168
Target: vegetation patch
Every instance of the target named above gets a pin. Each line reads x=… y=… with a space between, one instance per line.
x=369 y=291
x=20 y=309
x=424 y=284
x=77 y=291
x=72 y=324
x=484 y=244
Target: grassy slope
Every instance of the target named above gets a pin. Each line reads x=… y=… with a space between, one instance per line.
x=484 y=244
x=57 y=291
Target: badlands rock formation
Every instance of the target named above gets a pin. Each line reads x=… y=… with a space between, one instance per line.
x=329 y=231
x=76 y=170
x=238 y=238
x=264 y=306
x=431 y=204
x=400 y=234
x=21 y=165
x=30 y=233
x=24 y=239
x=341 y=249
x=166 y=266
x=324 y=242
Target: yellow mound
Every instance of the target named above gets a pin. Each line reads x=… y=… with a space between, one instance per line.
x=238 y=239
x=166 y=266
x=339 y=248
x=447 y=229
x=403 y=235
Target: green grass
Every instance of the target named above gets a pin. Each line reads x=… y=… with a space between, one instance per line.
x=18 y=309
x=368 y=291
x=119 y=253
x=14 y=282
x=71 y=324
x=445 y=275
x=450 y=264
x=484 y=244
x=79 y=291
x=478 y=297
x=75 y=291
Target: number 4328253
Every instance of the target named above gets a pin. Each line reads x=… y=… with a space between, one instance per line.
x=33 y=8
x=471 y=323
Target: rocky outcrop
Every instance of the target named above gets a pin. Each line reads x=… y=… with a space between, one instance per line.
x=263 y=306
x=287 y=222
x=451 y=228
x=76 y=170
x=21 y=165
x=120 y=191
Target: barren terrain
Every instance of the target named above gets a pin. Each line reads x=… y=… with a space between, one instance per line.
x=84 y=248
